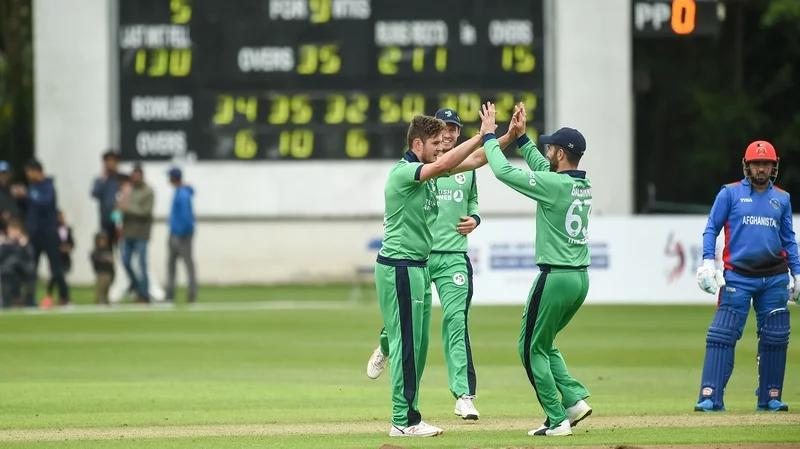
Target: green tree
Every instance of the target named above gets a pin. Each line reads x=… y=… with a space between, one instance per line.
x=16 y=82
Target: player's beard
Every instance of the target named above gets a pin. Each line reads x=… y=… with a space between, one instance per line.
x=553 y=162
x=760 y=179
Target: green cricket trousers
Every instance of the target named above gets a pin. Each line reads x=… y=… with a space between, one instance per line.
x=404 y=295
x=451 y=272
x=555 y=297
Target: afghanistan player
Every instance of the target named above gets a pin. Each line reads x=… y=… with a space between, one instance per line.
x=760 y=248
x=451 y=271
x=401 y=274
x=564 y=198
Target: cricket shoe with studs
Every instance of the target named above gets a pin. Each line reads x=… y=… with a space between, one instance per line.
x=376 y=364
x=578 y=412
x=422 y=429
x=465 y=407
x=563 y=429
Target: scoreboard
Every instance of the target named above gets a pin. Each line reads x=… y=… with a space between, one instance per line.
x=317 y=79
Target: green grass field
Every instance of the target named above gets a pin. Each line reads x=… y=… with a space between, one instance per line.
x=288 y=372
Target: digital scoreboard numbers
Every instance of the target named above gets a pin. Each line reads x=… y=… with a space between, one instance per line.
x=317 y=79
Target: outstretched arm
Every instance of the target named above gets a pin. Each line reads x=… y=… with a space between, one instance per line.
x=456 y=156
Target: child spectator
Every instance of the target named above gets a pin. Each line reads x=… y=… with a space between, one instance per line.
x=65 y=246
x=103 y=262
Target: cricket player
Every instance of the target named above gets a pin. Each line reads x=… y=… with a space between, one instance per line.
x=760 y=248
x=564 y=197
x=402 y=279
x=451 y=271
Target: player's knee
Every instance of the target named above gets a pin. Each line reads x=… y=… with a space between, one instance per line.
x=726 y=328
x=775 y=328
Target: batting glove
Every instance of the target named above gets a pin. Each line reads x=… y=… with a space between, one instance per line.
x=709 y=279
x=796 y=289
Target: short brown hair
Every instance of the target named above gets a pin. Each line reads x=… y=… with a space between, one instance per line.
x=423 y=127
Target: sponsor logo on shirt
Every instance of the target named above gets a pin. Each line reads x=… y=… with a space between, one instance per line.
x=759 y=221
x=458 y=196
x=745 y=200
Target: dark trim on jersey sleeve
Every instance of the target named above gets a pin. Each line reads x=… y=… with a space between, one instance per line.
x=487 y=137
x=418 y=173
x=477 y=218
x=522 y=140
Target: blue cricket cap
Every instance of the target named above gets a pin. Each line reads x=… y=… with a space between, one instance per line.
x=448 y=115
x=175 y=172
x=4 y=167
x=569 y=138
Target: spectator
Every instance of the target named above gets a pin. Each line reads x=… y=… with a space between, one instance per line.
x=181 y=232
x=16 y=267
x=136 y=205
x=39 y=203
x=105 y=190
x=65 y=245
x=102 y=257
x=8 y=204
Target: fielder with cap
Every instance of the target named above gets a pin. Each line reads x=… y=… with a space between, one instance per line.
x=451 y=271
x=760 y=248
x=564 y=197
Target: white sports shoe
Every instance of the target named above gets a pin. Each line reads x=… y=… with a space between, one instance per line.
x=376 y=364
x=465 y=408
x=561 y=430
x=422 y=429
x=578 y=412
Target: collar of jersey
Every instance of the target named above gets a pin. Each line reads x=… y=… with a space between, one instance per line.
x=746 y=182
x=574 y=173
x=410 y=156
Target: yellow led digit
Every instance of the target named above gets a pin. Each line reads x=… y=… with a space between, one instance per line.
x=330 y=61
x=440 y=61
x=301 y=109
x=180 y=62
x=159 y=62
x=504 y=105
x=390 y=109
x=224 y=113
x=320 y=10
x=334 y=113
x=244 y=145
x=357 y=109
x=296 y=143
x=530 y=99
x=411 y=105
x=418 y=59
x=356 y=144
x=308 y=60
x=279 y=111
x=181 y=11
x=468 y=107
x=388 y=59
x=140 y=63
x=518 y=58
x=247 y=106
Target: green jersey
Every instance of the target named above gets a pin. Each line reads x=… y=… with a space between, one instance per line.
x=458 y=197
x=564 y=203
x=410 y=211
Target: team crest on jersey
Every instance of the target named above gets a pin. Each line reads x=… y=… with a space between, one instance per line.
x=458 y=196
x=459 y=279
x=775 y=204
x=460 y=178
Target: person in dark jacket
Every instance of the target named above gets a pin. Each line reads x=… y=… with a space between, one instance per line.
x=181 y=233
x=105 y=190
x=39 y=203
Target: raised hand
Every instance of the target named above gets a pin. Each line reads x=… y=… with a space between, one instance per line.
x=487 y=114
x=518 y=120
